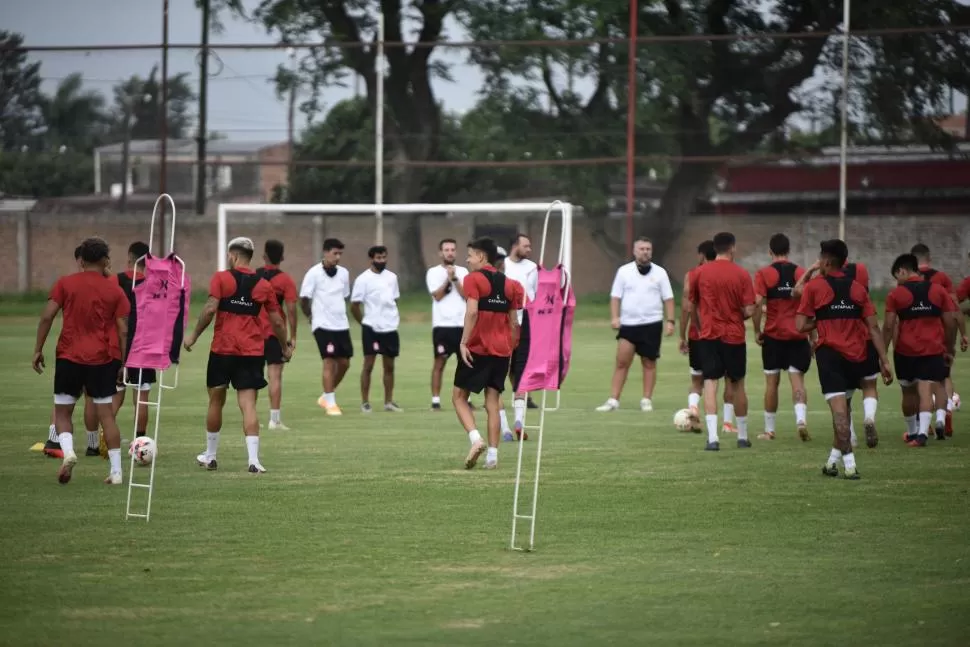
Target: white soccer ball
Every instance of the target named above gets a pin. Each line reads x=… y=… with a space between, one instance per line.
x=143 y=450
x=682 y=420
x=956 y=401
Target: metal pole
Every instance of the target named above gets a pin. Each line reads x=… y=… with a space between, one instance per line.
x=844 y=142
x=163 y=117
x=379 y=134
x=202 y=171
x=631 y=123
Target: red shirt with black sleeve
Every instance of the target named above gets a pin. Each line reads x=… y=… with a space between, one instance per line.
x=240 y=334
x=285 y=290
x=91 y=306
x=693 y=333
x=861 y=275
x=492 y=334
x=721 y=289
x=937 y=277
x=849 y=337
x=963 y=291
x=921 y=333
x=781 y=307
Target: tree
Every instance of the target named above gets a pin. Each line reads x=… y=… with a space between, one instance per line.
x=20 y=96
x=73 y=117
x=46 y=174
x=137 y=102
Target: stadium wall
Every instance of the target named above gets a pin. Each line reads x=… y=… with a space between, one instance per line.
x=40 y=245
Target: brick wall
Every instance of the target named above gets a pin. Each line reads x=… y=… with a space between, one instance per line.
x=875 y=241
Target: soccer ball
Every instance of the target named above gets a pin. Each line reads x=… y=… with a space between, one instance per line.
x=143 y=450
x=682 y=420
x=956 y=401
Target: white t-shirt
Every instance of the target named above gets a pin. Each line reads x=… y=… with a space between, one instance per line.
x=641 y=296
x=379 y=292
x=449 y=312
x=327 y=293
x=527 y=274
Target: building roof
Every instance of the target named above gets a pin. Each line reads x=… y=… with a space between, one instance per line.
x=214 y=148
x=830 y=155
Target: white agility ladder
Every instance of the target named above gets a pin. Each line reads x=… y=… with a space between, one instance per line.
x=564 y=243
x=160 y=374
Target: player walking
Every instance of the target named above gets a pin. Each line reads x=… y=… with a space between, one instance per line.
x=722 y=297
x=518 y=267
x=444 y=282
x=237 y=296
x=489 y=336
x=783 y=348
x=323 y=296
x=689 y=332
x=285 y=290
x=839 y=309
x=640 y=300
x=378 y=290
x=92 y=308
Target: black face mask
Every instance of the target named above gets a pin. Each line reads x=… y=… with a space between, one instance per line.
x=331 y=271
x=379 y=267
x=644 y=269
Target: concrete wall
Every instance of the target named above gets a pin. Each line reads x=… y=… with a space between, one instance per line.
x=39 y=246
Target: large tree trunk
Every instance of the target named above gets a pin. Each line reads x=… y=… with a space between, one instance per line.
x=688 y=184
x=405 y=187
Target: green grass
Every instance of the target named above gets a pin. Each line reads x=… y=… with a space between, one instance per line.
x=366 y=531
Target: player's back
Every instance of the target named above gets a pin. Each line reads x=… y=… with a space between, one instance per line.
x=937 y=277
x=777 y=282
x=496 y=295
x=858 y=272
x=723 y=288
x=839 y=305
x=90 y=304
x=284 y=289
x=243 y=295
x=919 y=306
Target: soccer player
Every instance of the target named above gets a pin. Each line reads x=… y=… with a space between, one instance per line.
x=722 y=298
x=782 y=347
x=285 y=290
x=127 y=280
x=839 y=310
x=236 y=298
x=641 y=299
x=507 y=436
x=444 y=282
x=92 y=308
x=520 y=268
x=689 y=332
x=488 y=337
x=920 y=320
x=323 y=295
x=377 y=289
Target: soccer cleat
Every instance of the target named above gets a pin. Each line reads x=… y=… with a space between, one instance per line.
x=334 y=411
x=490 y=465
x=729 y=428
x=114 y=478
x=53 y=449
x=520 y=431
x=768 y=435
x=852 y=475
x=948 y=429
x=365 y=408
x=67 y=467
x=530 y=404
x=940 y=430
x=392 y=406
x=803 y=432
x=830 y=469
x=609 y=405
x=436 y=406
x=872 y=438
x=908 y=437
x=92 y=451
x=209 y=463
x=743 y=443
x=507 y=436
x=278 y=426
x=918 y=441
x=256 y=468
x=712 y=447
x=477 y=449
x=646 y=405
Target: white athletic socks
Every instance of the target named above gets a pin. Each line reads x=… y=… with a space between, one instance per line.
x=252 y=446
x=67 y=443
x=849 y=461
x=52 y=434
x=330 y=399
x=869 y=406
x=769 y=422
x=474 y=436
x=941 y=416
x=693 y=400
x=925 y=417
x=274 y=416
x=742 y=427
x=114 y=458
x=912 y=425
x=211 y=443
x=852 y=437
x=801 y=414
x=949 y=404
x=504 y=420
x=728 y=413
x=491 y=455
x=518 y=406
x=435 y=399
x=834 y=457
x=711 y=421
x=92 y=439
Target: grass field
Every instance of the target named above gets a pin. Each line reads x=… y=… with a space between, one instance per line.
x=367 y=531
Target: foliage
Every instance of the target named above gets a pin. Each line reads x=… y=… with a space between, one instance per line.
x=46 y=174
x=141 y=98
x=20 y=95
x=73 y=117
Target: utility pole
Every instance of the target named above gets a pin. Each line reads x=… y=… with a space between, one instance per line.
x=202 y=170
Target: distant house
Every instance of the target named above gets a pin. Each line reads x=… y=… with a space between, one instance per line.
x=954 y=125
x=235 y=169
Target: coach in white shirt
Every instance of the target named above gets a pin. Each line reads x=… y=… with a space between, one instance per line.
x=520 y=268
x=323 y=295
x=444 y=283
x=640 y=300
x=377 y=289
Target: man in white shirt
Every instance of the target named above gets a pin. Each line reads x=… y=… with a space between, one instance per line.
x=520 y=268
x=377 y=289
x=640 y=301
x=444 y=283
x=323 y=295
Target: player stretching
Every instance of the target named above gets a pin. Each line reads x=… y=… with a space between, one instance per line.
x=783 y=348
x=323 y=294
x=640 y=299
x=93 y=307
x=518 y=267
x=285 y=290
x=688 y=337
x=839 y=309
x=236 y=298
x=377 y=289
x=920 y=322
x=722 y=297
x=489 y=335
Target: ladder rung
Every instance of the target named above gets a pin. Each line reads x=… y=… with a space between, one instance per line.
x=523 y=516
x=140 y=516
x=139 y=485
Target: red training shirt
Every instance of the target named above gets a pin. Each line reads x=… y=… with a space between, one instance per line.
x=492 y=334
x=963 y=292
x=285 y=289
x=235 y=334
x=780 y=319
x=91 y=308
x=923 y=336
x=939 y=278
x=692 y=332
x=721 y=289
x=850 y=337
x=861 y=274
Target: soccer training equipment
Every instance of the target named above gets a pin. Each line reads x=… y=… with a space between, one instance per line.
x=142 y=451
x=956 y=401
x=682 y=420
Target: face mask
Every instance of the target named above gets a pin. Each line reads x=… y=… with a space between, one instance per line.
x=644 y=269
x=331 y=271
x=379 y=267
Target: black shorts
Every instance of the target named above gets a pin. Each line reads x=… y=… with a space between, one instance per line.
x=719 y=359
x=871 y=365
x=645 y=338
x=334 y=344
x=273 y=351
x=786 y=355
x=520 y=356
x=836 y=374
x=242 y=372
x=486 y=371
x=71 y=379
x=928 y=368
x=694 y=357
x=445 y=341
x=141 y=376
x=387 y=344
